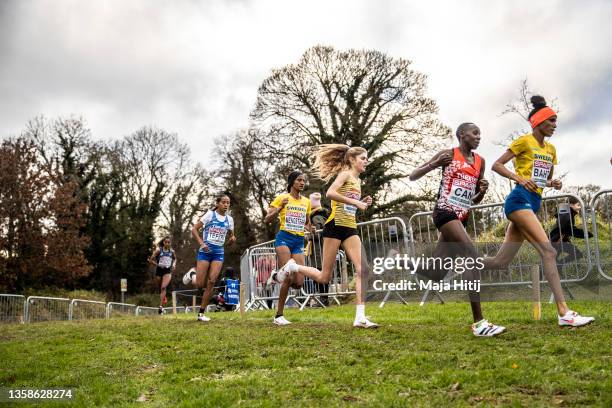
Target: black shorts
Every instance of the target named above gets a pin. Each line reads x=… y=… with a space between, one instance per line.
x=162 y=271
x=330 y=230
x=441 y=217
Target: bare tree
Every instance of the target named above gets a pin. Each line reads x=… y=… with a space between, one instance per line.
x=356 y=97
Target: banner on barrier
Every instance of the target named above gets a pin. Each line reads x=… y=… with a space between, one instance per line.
x=232 y=292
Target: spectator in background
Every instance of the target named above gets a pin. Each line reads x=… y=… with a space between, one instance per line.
x=565 y=229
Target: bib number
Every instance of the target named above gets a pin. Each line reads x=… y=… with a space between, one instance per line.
x=350 y=209
x=540 y=172
x=461 y=196
x=295 y=219
x=216 y=236
x=165 y=262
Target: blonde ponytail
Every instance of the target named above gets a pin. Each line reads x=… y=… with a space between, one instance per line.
x=331 y=159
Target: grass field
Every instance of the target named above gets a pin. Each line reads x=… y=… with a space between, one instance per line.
x=419 y=357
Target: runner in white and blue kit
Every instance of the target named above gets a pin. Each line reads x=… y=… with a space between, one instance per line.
x=216 y=226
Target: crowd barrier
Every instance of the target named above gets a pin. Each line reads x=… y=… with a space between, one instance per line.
x=86 y=309
x=43 y=308
x=12 y=308
x=378 y=237
x=19 y=309
x=601 y=205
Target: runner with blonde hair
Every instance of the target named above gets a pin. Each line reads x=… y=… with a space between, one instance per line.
x=345 y=164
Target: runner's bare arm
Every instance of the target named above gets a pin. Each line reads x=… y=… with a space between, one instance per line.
x=442 y=158
x=153 y=257
x=555 y=183
x=500 y=168
x=482 y=184
x=195 y=232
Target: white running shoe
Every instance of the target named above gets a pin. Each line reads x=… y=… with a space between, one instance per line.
x=272 y=278
x=203 y=318
x=283 y=272
x=281 y=321
x=189 y=277
x=365 y=323
x=485 y=329
x=573 y=319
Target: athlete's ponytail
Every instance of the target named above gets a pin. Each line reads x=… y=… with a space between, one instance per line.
x=331 y=159
x=540 y=111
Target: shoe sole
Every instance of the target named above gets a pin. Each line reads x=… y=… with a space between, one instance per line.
x=571 y=325
x=494 y=335
x=359 y=326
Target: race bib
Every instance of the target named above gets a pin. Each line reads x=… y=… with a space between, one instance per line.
x=350 y=209
x=165 y=262
x=461 y=194
x=216 y=236
x=295 y=219
x=540 y=172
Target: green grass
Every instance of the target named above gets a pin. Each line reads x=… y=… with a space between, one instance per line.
x=419 y=357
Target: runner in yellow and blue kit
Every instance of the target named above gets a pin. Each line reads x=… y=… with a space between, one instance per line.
x=293 y=211
x=534 y=165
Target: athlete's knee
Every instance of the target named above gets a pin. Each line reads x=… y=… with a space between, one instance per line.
x=548 y=252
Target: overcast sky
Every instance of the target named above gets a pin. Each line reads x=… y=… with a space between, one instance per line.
x=193 y=67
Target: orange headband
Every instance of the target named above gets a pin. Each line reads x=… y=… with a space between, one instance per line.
x=540 y=116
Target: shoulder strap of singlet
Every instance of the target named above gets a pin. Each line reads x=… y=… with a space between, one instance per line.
x=457 y=154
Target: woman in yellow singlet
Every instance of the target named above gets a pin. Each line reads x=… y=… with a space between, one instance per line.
x=293 y=211
x=345 y=164
x=534 y=164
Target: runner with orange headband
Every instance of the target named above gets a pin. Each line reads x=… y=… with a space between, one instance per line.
x=534 y=165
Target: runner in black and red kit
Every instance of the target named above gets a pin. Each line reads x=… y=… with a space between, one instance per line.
x=462 y=185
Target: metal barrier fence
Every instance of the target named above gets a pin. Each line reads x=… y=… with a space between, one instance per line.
x=86 y=309
x=120 y=309
x=147 y=311
x=42 y=308
x=12 y=308
x=486 y=227
x=601 y=205
x=378 y=237
x=18 y=309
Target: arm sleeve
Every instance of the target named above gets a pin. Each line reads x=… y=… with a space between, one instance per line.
x=277 y=201
x=554 y=155
x=517 y=146
x=231 y=222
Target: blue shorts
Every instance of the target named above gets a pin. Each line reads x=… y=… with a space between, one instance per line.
x=295 y=243
x=522 y=199
x=210 y=256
